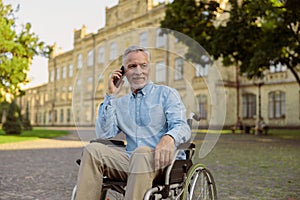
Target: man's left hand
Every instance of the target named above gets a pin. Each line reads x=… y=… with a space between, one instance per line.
x=164 y=151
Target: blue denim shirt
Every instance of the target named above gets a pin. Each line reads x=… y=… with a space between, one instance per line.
x=144 y=117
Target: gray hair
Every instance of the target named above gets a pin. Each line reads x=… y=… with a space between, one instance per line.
x=134 y=49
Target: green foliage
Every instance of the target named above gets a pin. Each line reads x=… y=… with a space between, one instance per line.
x=253 y=34
x=13 y=125
x=17 y=50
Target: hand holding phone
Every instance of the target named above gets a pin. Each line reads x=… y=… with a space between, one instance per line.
x=117 y=81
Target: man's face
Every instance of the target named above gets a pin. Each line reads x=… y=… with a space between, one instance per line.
x=137 y=69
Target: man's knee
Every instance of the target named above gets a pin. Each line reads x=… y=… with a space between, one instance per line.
x=143 y=149
x=94 y=150
x=142 y=160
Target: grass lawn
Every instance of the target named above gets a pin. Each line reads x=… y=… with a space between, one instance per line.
x=31 y=135
x=279 y=133
x=285 y=134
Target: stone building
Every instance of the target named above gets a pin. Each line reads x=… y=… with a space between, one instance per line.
x=77 y=78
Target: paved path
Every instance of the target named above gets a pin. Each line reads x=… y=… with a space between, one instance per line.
x=244 y=166
x=42 y=169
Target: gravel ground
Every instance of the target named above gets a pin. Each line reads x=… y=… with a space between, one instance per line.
x=244 y=167
x=255 y=167
x=43 y=169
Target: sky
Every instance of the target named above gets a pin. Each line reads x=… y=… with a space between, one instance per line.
x=55 y=21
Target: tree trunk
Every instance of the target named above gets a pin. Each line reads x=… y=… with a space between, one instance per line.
x=294 y=72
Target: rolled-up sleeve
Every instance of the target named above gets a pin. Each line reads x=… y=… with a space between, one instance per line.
x=106 y=123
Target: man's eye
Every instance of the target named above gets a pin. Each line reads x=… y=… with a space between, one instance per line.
x=144 y=65
x=132 y=66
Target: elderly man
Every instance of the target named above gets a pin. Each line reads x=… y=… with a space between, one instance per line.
x=153 y=119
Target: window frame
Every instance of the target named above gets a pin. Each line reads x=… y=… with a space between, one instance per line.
x=160 y=72
x=179 y=69
x=202 y=106
x=249 y=107
x=277 y=104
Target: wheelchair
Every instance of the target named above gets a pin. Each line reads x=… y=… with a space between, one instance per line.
x=183 y=179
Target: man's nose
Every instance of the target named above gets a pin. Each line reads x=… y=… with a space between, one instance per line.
x=138 y=69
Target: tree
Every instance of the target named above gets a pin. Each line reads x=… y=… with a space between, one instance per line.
x=3 y=109
x=252 y=34
x=13 y=125
x=17 y=49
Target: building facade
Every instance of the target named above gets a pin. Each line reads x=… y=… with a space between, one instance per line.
x=77 y=78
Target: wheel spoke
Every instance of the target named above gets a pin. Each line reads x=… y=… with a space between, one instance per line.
x=201 y=185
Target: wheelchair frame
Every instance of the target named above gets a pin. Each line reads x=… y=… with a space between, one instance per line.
x=183 y=179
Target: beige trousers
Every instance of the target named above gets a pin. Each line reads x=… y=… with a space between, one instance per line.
x=99 y=160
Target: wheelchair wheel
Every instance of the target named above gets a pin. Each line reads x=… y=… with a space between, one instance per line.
x=199 y=184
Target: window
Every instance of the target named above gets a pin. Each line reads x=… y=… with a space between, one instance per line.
x=79 y=61
x=57 y=73
x=160 y=38
x=113 y=51
x=55 y=115
x=160 y=72
x=101 y=55
x=78 y=84
x=202 y=106
x=63 y=93
x=89 y=81
x=64 y=72
x=249 y=105
x=70 y=70
x=276 y=104
x=201 y=70
x=51 y=78
x=68 y=115
x=178 y=69
x=143 y=39
x=61 y=115
x=50 y=116
x=70 y=88
x=90 y=58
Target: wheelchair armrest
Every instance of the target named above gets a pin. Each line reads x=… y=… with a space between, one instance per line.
x=189 y=149
x=110 y=142
x=186 y=146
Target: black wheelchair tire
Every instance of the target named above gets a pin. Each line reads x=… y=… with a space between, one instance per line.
x=199 y=184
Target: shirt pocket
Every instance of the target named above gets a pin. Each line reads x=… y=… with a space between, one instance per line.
x=157 y=118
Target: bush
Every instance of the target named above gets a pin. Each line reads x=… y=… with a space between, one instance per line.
x=12 y=124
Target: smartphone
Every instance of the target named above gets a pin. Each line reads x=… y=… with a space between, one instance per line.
x=116 y=80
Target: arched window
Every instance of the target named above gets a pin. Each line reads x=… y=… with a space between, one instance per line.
x=101 y=55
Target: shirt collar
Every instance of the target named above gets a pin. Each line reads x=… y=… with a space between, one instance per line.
x=145 y=90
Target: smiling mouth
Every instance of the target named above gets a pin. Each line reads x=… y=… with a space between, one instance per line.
x=138 y=78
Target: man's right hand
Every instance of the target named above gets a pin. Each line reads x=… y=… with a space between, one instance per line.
x=112 y=88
